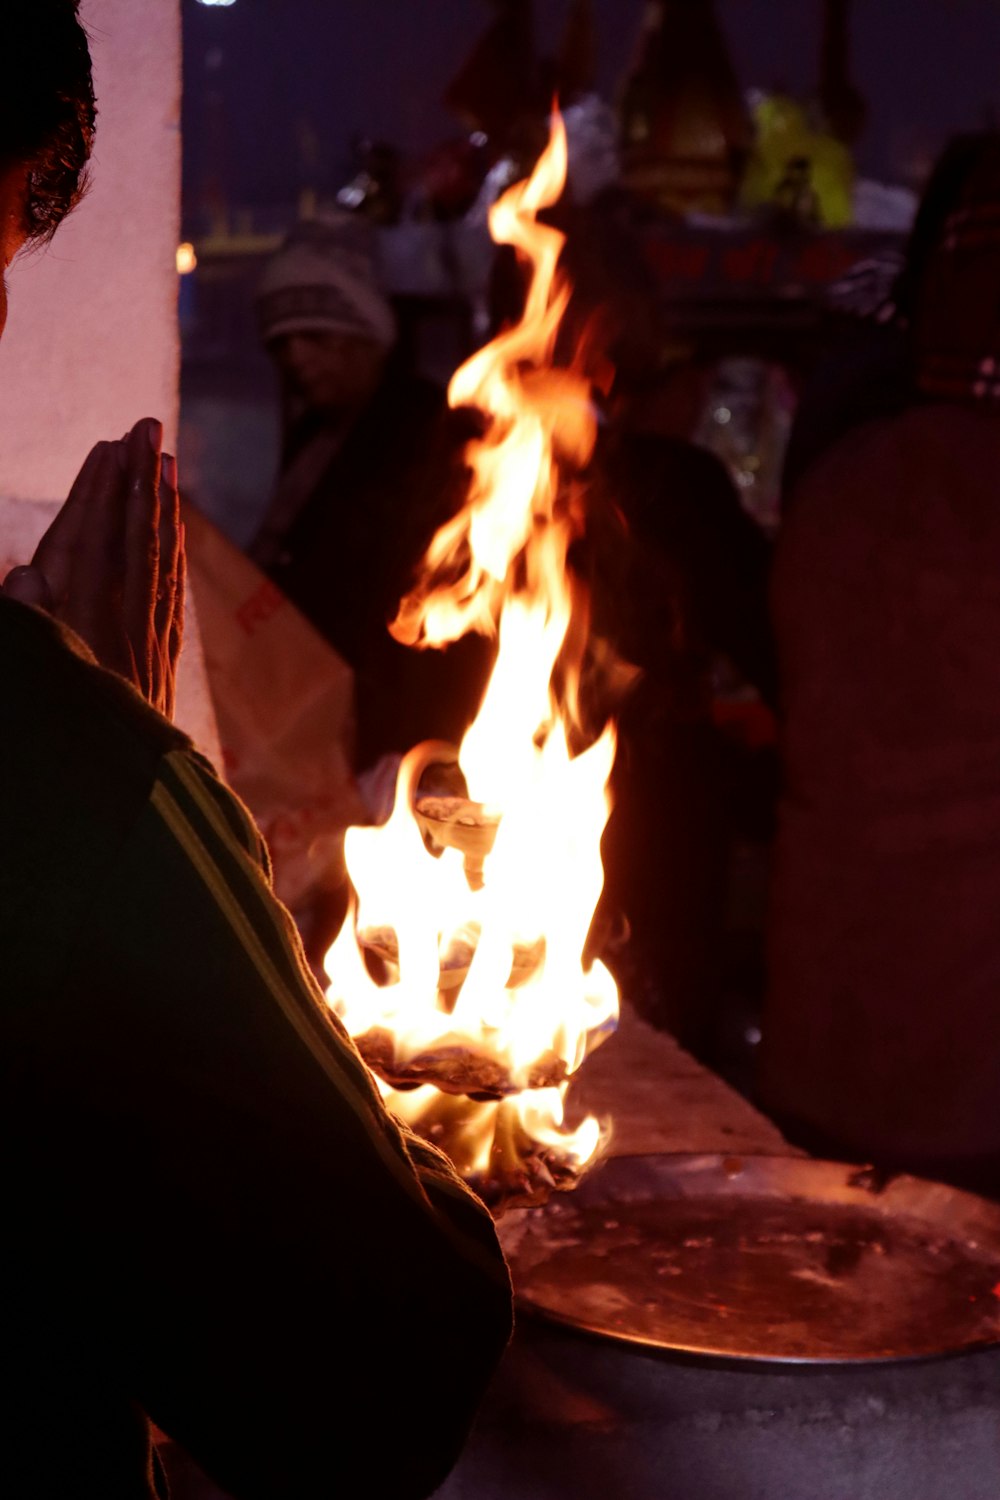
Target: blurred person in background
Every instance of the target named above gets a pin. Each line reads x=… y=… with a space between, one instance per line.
x=680 y=580
x=679 y=577
x=330 y=330
x=682 y=594
x=210 y=1216
x=882 y=1030
x=867 y=372
x=371 y=465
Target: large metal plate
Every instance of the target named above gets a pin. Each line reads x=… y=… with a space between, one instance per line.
x=763 y=1258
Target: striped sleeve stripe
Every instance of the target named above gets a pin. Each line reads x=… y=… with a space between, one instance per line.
x=201 y=796
x=207 y=866
x=229 y=805
x=191 y=811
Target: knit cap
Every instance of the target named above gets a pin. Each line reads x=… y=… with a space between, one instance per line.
x=325 y=277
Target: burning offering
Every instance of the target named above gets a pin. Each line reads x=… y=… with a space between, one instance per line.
x=462 y=971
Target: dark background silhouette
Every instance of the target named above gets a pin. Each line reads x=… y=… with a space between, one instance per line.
x=271 y=84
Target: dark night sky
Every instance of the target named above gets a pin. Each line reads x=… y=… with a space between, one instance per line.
x=927 y=67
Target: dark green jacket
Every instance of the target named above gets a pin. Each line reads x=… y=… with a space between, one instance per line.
x=210 y=1217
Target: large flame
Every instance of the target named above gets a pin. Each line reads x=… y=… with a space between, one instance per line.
x=481 y=921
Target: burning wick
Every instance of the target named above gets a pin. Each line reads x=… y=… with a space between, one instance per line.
x=461 y=975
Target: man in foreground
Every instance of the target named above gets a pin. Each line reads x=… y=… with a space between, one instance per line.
x=210 y=1217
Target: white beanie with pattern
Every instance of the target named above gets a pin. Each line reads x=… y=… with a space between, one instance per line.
x=325 y=277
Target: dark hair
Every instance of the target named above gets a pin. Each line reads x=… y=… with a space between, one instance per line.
x=47 y=109
x=941 y=196
x=954 y=323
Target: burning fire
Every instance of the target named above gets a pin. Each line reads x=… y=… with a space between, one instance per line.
x=473 y=903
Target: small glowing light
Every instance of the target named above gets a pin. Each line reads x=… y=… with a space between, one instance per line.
x=187 y=260
x=216 y=2
x=722 y=414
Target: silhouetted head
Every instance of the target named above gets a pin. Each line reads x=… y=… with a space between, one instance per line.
x=949 y=292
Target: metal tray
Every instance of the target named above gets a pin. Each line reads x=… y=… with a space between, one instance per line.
x=763 y=1258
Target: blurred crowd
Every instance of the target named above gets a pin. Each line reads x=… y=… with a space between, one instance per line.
x=799 y=863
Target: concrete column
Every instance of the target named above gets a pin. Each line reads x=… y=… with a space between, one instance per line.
x=91 y=342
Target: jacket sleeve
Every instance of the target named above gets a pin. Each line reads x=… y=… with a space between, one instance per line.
x=301 y=1291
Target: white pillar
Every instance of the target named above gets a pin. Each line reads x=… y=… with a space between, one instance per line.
x=91 y=342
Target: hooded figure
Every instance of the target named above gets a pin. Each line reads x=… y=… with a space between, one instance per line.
x=371 y=466
x=882 y=1031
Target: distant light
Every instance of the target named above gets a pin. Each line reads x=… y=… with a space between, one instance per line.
x=216 y=2
x=187 y=261
x=352 y=196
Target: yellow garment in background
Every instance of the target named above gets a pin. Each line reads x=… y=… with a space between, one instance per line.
x=782 y=133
